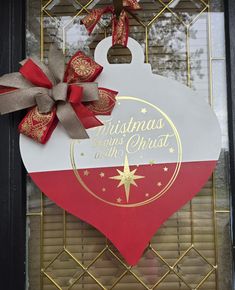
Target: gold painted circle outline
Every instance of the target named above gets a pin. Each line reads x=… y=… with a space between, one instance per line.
x=169 y=184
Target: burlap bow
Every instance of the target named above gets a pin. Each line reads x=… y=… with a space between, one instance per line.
x=52 y=93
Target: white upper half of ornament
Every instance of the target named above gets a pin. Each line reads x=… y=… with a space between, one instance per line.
x=156 y=120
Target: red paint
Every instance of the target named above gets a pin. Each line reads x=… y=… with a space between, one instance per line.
x=129 y=229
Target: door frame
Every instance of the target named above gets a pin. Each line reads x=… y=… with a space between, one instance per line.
x=12 y=172
x=229 y=6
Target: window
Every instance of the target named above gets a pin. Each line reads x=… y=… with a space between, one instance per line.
x=183 y=40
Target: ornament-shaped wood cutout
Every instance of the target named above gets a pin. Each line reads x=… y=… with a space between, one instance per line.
x=151 y=156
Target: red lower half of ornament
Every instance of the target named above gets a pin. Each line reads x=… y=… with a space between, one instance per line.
x=127 y=205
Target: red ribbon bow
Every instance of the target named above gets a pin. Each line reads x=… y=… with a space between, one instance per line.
x=80 y=69
x=120 y=25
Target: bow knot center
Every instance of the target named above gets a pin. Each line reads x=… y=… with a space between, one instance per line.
x=59 y=92
x=46 y=99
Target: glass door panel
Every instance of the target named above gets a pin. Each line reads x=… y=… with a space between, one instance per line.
x=183 y=40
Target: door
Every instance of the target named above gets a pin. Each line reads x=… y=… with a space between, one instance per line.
x=185 y=41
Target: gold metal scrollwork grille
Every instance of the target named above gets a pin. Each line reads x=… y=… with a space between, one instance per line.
x=184 y=253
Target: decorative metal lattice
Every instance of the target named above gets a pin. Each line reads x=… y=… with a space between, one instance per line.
x=66 y=253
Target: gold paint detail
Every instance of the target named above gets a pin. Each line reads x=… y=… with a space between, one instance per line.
x=171 y=150
x=86 y=173
x=101 y=174
x=154 y=196
x=143 y=110
x=127 y=178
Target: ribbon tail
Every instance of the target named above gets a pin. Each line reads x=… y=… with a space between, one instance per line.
x=105 y=104
x=70 y=121
x=94 y=16
x=38 y=126
x=15 y=80
x=86 y=116
x=17 y=100
x=37 y=73
x=83 y=92
x=56 y=63
x=75 y=69
x=131 y=4
x=120 y=29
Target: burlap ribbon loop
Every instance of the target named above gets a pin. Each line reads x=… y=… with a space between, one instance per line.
x=59 y=92
x=44 y=103
x=27 y=95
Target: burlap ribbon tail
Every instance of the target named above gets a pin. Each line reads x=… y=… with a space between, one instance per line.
x=26 y=95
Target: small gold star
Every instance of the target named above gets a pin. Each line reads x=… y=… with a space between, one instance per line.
x=86 y=172
x=103 y=189
x=102 y=174
x=127 y=178
x=159 y=184
x=165 y=168
x=119 y=200
x=151 y=162
x=143 y=110
x=171 y=150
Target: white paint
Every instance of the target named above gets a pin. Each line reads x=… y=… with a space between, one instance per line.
x=195 y=121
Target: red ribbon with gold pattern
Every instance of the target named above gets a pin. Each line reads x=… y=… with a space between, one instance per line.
x=53 y=95
x=120 y=25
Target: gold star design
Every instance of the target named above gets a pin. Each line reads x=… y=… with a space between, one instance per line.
x=151 y=162
x=127 y=178
x=159 y=184
x=143 y=111
x=86 y=172
x=103 y=189
x=165 y=169
x=119 y=200
x=171 y=150
x=102 y=174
